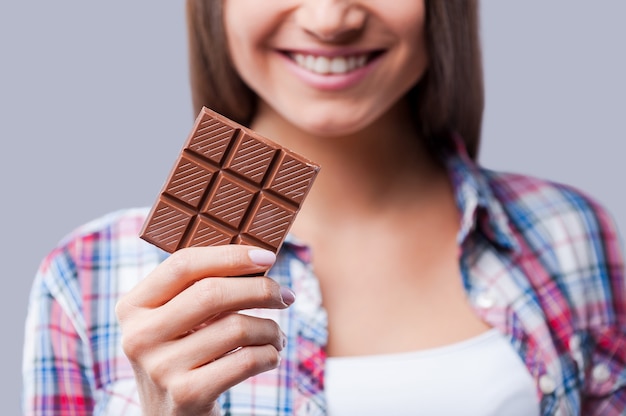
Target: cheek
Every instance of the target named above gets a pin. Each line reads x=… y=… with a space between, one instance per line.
x=410 y=24
x=240 y=24
x=248 y=28
x=417 y=57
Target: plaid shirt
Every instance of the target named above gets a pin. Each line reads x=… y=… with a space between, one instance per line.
x=541 y=262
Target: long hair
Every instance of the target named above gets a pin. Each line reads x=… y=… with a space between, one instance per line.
x=449 y=97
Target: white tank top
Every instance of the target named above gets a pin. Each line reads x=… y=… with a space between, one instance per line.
x=479 y=376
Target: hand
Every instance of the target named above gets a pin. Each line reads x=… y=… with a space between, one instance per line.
x=182 y=332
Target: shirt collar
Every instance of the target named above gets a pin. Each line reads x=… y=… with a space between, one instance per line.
x=478 y=207
x=299 y=248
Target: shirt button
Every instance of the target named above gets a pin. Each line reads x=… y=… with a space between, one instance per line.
x=574 y=342
x=547 y=384
x=485 y=300
x=600 y=373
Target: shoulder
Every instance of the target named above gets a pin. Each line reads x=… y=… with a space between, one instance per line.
x=104 y=246
x=566 y=233
x=570 y=236
x=554 y=210
x=116 y=224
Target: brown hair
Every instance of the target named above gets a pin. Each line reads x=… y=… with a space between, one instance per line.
x=448 y=98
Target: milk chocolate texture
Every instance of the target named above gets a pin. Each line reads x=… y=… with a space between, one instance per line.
x=229 y=185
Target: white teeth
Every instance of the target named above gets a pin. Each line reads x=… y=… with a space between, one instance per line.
x=339 y=65
x=326 y=65
x=322 y=65
x=309 y=62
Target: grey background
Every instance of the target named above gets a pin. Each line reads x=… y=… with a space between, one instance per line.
x=94 y=106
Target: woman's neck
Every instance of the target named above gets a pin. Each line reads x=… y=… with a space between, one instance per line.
x=362 y=174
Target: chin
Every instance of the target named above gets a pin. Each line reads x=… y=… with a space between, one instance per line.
x=335 y=125
x=330 y=130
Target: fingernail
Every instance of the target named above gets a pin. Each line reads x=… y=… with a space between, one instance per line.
x=262 y=257
x=287 y=296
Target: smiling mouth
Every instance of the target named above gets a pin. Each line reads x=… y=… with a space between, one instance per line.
x=326 y=65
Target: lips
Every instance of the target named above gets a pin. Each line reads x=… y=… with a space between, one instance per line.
x=326 y=65
x=331 y=70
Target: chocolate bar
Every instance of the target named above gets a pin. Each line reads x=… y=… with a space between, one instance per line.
x=229 y=185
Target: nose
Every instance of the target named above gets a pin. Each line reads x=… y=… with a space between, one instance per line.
x=334 y=21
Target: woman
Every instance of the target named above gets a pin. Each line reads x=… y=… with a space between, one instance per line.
x=406 y=263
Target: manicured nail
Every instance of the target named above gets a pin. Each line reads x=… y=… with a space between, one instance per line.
x=287 y=296
x=283 y=340
x=262 y=257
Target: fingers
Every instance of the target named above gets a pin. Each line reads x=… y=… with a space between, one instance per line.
x=191 y=372
x=225 y=335
x=189 y=265
x=228 y=371
x=211 y=297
